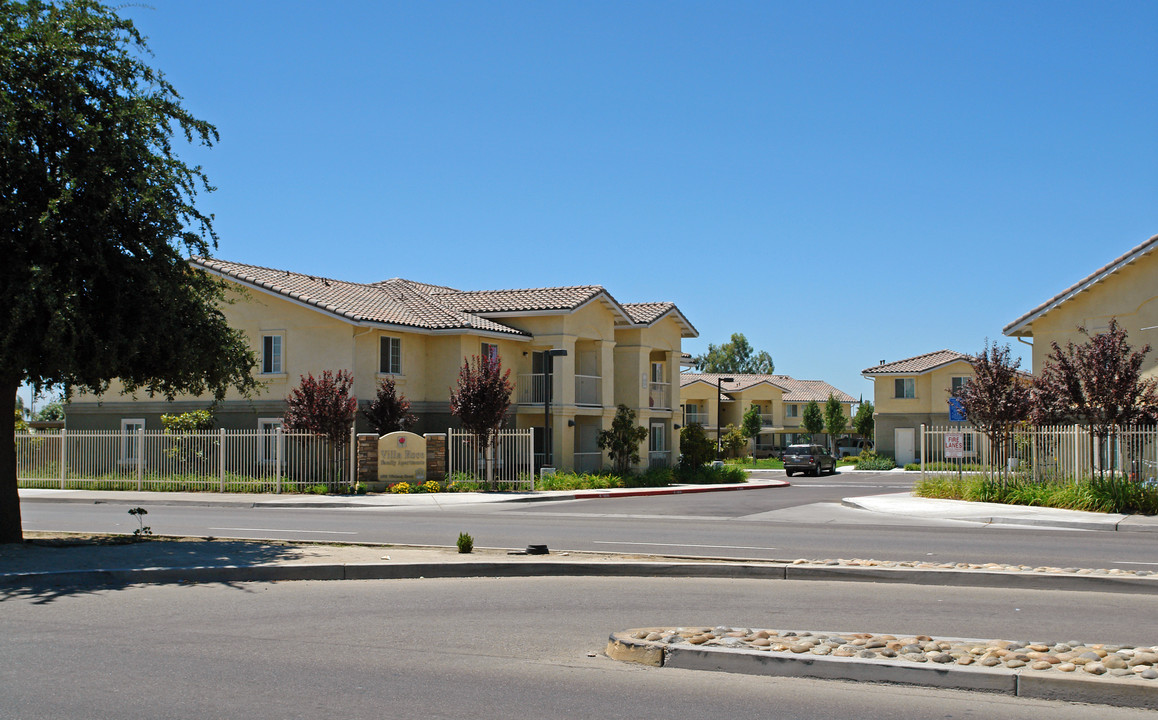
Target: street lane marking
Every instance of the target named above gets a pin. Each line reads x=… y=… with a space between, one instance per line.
x=724 y=547
x=323 y=532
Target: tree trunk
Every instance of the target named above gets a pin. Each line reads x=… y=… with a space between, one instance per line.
x=11 y=530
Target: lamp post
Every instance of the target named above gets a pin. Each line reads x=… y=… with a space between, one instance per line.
x=719 y=420
x=548 y=365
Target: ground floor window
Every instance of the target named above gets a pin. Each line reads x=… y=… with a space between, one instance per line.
x=130 y=439
x=271 y=444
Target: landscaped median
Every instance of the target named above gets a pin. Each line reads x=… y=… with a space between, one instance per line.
x=1070 y=671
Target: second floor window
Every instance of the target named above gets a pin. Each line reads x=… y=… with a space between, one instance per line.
x=791 y=411
x=390 y=356
x=905 y=388
x=271 y=354
x=958 y=383
x=490 y=350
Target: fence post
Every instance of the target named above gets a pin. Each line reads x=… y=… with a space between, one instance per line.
x=353 y=476
x=63 y=457
x=277 y=457
x=140 y=456
x=221 y=460
x=924 y=443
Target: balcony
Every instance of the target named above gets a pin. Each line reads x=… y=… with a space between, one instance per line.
x=531 y=389
x=696 y=418
x=589 y=390
x=767 y=419
x=659 y=396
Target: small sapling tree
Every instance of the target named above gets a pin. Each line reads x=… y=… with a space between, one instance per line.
x=864 y=424
x=389 y=411
x=696 y=448
x=1098 y=383
x=812 y=419
x=481 y=400
x=752 y=423
x=622 y=441
x=835 y=421
x=996 y=398
x=324 y=406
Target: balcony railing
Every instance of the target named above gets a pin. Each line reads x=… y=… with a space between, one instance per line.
x=767 y=419
x=589 y=390
x=659 y=459
x=696 y=418
x=659 y=396
x=531 y=389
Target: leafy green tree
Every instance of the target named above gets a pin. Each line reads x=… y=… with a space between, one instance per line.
x=622 y=441
x=864 y=424
x=696 y=448
x=752 y=423
x=737 y=356
x=835 y=421
x=186 y=447
x=389 y=411
x=99 y=219
x=812 y=419
x=52 y=412
x=20 y=425
x=733 y=441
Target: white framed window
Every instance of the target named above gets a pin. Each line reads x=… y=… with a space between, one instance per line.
x=130 y=437
x=657 y=438
x=791 y=410
x=490 y=351
x=905 y=388
x=957 y=383
x=272 y=354
x=270 y=444
x=390 y=356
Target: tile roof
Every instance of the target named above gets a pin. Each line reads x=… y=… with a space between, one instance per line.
x=1019 y=326
x=526 y=300
x=794 y=390
x=918 y=364
x=432 y=307
x=648 y=313
x=394 y=302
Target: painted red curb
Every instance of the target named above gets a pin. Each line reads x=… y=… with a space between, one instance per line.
x=594 y=494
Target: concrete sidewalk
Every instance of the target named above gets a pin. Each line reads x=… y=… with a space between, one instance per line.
x=211 y=499
x=906 y=504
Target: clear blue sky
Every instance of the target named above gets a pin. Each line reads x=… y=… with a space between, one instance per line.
x=843 y=182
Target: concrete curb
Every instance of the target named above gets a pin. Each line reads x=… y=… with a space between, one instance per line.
x=1123 y=692
x=577 y=568
x=640 y=492
x=1020 y=515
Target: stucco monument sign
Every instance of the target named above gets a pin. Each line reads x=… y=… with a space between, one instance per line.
x=401 y=458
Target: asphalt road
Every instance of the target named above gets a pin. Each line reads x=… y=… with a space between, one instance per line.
x=802 y=521
x=497 y=648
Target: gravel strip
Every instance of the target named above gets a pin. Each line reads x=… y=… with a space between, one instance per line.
x=1072 y=656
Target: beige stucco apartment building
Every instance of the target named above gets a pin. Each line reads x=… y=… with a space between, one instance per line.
x=911 y=392
x=420 y=334
x=780 y=400
x=1126 y=289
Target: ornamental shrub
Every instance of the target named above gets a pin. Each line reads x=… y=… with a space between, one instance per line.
x=402 y=487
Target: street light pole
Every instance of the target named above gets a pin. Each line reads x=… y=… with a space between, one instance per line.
x=548 y=365
x=719 y=421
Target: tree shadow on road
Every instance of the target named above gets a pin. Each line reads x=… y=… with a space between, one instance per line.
x=43 y=570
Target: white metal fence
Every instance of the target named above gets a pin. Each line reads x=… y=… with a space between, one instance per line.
x=1066 y=452
x=215 y=461
x=511 y=456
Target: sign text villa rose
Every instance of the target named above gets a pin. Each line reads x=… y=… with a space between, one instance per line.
x=401 y=458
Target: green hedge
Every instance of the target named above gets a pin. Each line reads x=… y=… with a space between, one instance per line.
x=1110 y=495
